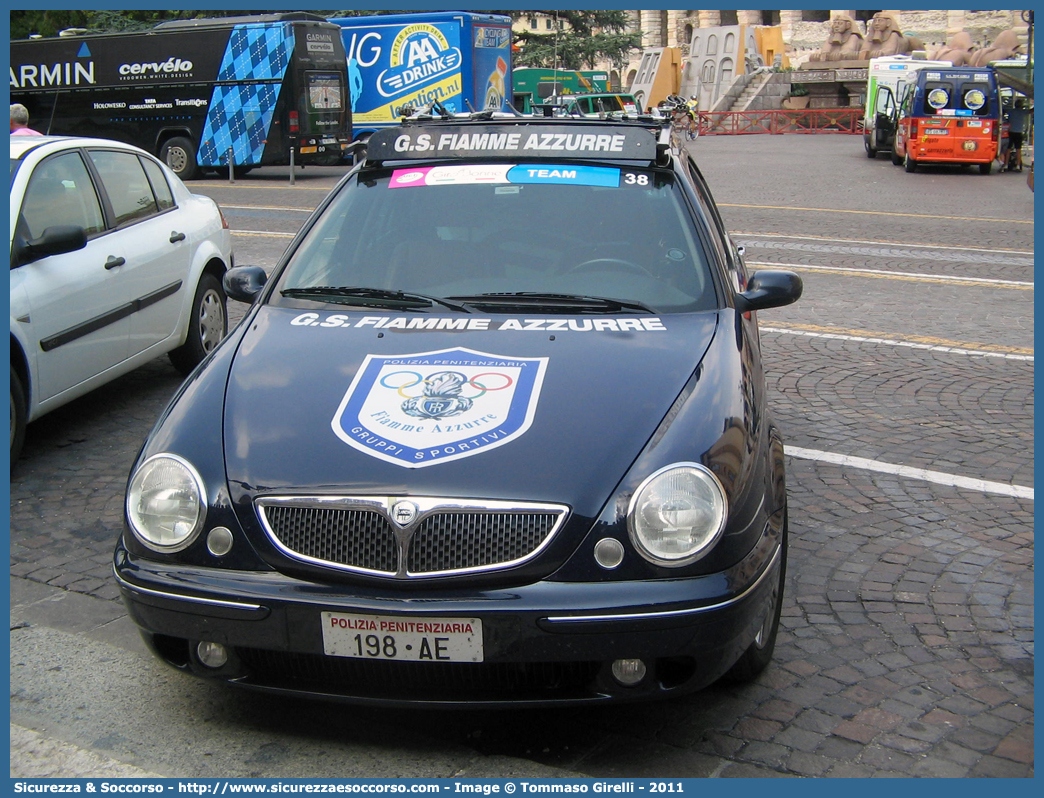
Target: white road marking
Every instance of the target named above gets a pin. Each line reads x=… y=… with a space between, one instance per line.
x=898 y=244
x=937 y=477
x=893 y=342
x=268 y=233
x=883 y=272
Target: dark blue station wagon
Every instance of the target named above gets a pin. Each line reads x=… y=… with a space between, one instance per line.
x=493 y=432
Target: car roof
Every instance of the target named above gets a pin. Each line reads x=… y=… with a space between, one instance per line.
x=23 y=145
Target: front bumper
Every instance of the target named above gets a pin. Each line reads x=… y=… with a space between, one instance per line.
x=543 y=643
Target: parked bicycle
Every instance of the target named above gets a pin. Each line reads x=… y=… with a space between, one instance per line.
x=685 y=122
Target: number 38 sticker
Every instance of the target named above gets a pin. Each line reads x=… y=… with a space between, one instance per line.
x=632 y=179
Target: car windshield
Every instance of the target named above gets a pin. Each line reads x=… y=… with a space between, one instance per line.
x=465 y=231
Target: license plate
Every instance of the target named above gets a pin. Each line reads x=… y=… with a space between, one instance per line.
x=935 y=131
x=397 y=638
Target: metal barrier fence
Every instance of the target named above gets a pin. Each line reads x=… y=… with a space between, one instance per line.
x=812 y=120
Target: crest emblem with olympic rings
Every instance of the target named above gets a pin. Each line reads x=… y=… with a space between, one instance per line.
x=421 y=409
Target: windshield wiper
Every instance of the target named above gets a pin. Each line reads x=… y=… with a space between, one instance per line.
x=560 y=302
x=369 y=297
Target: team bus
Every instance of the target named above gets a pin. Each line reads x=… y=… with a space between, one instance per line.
x=532 y=85
x=195 y=92
x=949 y=116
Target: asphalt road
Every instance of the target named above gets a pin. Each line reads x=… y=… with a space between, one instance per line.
x=903 y=381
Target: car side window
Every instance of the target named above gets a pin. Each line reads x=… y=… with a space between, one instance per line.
x=61 y=191
x=160 y=187
x=733 y=262
x=126 y=184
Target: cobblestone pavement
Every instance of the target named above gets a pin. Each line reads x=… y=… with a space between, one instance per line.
x=906 y=646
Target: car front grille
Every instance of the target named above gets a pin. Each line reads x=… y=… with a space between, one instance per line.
x=357 y=538
x=413 y=681
x=428 y=536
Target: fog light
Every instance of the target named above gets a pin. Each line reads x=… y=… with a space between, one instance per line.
x=608 y=552
x=629 y=672
x=213 y=655
x=219 y=541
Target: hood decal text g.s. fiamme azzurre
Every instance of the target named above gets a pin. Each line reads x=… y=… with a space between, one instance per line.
x=421 y=409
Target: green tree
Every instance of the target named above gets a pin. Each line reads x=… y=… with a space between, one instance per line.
x=584 y=39
x=50 y=22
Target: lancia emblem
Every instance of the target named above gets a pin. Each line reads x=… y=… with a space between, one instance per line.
x=404 y=513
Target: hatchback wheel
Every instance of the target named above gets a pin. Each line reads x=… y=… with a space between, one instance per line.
x=18 y=416
x=909 y=164
x=207 y=326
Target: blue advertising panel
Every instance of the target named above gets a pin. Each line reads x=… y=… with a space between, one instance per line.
x=461 y=60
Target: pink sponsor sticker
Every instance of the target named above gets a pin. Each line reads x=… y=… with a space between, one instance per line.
x=404 y=178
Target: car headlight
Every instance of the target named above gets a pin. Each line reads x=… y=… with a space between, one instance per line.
x=165 y=503
x=677 y=514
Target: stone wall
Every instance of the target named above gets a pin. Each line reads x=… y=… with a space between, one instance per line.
x=933 y=28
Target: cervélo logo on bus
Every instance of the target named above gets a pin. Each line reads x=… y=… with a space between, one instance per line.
x=173 y=65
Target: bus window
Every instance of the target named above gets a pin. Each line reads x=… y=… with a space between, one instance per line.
x=963 y=99
x=974 y=97
x=324 y=91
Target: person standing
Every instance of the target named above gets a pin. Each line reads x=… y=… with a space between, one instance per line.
x=20 y=121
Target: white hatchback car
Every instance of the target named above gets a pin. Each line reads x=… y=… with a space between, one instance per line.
x=113 y=263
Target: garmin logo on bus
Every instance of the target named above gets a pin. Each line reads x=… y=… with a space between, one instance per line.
x=172 y=64
x=68 y=74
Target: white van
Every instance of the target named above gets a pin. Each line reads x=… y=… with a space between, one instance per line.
x=885 y=75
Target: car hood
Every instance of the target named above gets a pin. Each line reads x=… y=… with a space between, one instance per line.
x=484 y=407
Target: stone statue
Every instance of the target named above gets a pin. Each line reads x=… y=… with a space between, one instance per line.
x=843 y=43
x=883 y=37
x=1006 y=45
x=958 y=51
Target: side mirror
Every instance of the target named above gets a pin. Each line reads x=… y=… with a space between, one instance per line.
x=769 y=289
x=56 y=240
x=244 y=283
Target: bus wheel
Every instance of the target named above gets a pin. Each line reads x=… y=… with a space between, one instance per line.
x=985 y=168
x=909 y=164
x=179 y=154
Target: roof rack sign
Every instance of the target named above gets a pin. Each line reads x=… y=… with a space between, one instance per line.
x=519 y=141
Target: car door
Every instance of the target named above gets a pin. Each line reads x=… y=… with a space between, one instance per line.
x=159 y=247
x=71 y=305
x=902 y=125
x=885 y=115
